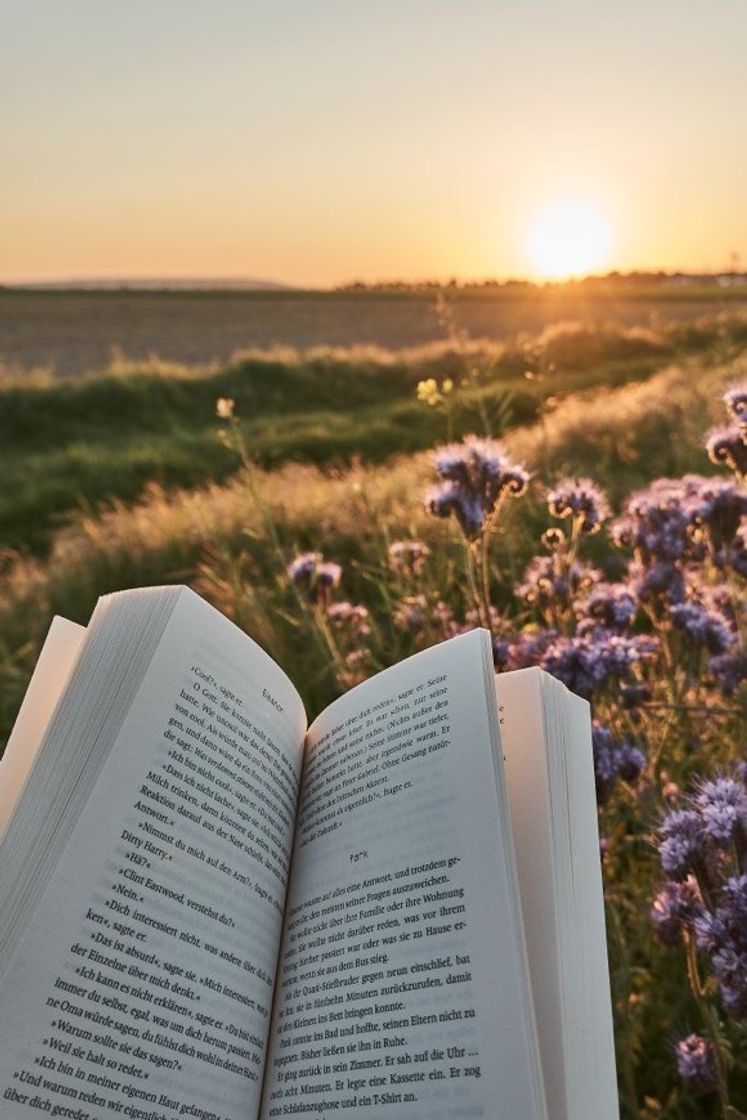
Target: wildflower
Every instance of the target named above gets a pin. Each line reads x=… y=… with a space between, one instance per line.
x=529 y=648
x=613 y=759
x=661 y=581
x=657 y=522
x=717 y=514
x=554 y=539
x=476 y=473
x=225 y=408
x=728 y=670
x=313 y=575
x=581 y=499
x=427 y=392
x=588 y=662
x=723 y=807
x=735 y=400
x=354 y=670
x=350 y=617
x=549 y=579
x=696 y=1063
x=410 y=614
x=682 y=842
x=705 y=628
x=674 y=907
x=408 y=556
x=728 y=447
x=613 y=605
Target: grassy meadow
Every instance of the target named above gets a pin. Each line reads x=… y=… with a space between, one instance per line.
x=127 y=476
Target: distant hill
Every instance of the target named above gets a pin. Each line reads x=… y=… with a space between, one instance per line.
x=153 y=284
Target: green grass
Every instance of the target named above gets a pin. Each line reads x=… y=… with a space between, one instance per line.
x=622 y=436
x=69 y=445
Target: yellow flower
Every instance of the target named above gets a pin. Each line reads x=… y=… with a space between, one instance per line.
x=224 y=408
x=428 y=391
x=447 y=386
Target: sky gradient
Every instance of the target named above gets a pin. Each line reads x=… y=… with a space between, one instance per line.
x=319 y=141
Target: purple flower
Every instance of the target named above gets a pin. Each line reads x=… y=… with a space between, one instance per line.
x=528 y=648
x=728 y=447
x=730 y=969
x=313 y=575
x=549 y=579
x=676 y=905
x=588 y=662
x=711 y=930
x=581 y=499
x=722 y=804
x=655 y=521
x=718 y=511
x=728 y=670
x=408 y=556
x=660 y=580
x=475 y=474
x=612 y=605
x=349 y=617
x=735 y=400
x=613 y=759
x=702 y=838
x=696 y=1063
x=681 y=842
x=301 y=570
x=704 y=628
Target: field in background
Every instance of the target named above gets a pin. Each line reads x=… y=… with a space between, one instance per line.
x=122 y=479
x=74 y=332
x=68 y=444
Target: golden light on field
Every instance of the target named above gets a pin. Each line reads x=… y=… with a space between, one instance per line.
x=569 y=239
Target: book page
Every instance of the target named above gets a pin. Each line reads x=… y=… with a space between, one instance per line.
x=56 y=659
x=143 y=985
x=403 y=988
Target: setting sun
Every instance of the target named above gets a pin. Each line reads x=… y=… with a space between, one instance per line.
x=569 y=239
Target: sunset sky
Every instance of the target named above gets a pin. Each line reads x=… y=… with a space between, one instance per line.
x=319 y=141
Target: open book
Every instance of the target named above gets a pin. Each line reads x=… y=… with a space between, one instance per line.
x=210 y=910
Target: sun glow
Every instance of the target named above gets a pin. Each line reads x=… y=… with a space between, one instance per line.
x=569 y=239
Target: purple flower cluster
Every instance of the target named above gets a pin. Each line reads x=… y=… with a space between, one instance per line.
x=550 y=580
x=613 y=758
x=314 y=576
x=408 y=557
x=729 y=671
x=727 y=447
x=696 y=1063
x=735 y=400
x=705 y=628
x=580 y=499
x=675 y=906
x=587 y=663
x=611 y=605
x=413 y=614
x=475 y=474
x=656 y=522
x=352 y=618
x=703 y=851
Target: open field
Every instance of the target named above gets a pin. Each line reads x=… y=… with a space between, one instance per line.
x=67 y=444
x=74 y=332
x=102 y=527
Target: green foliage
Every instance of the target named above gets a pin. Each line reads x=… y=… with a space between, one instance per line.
x=68 y=445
